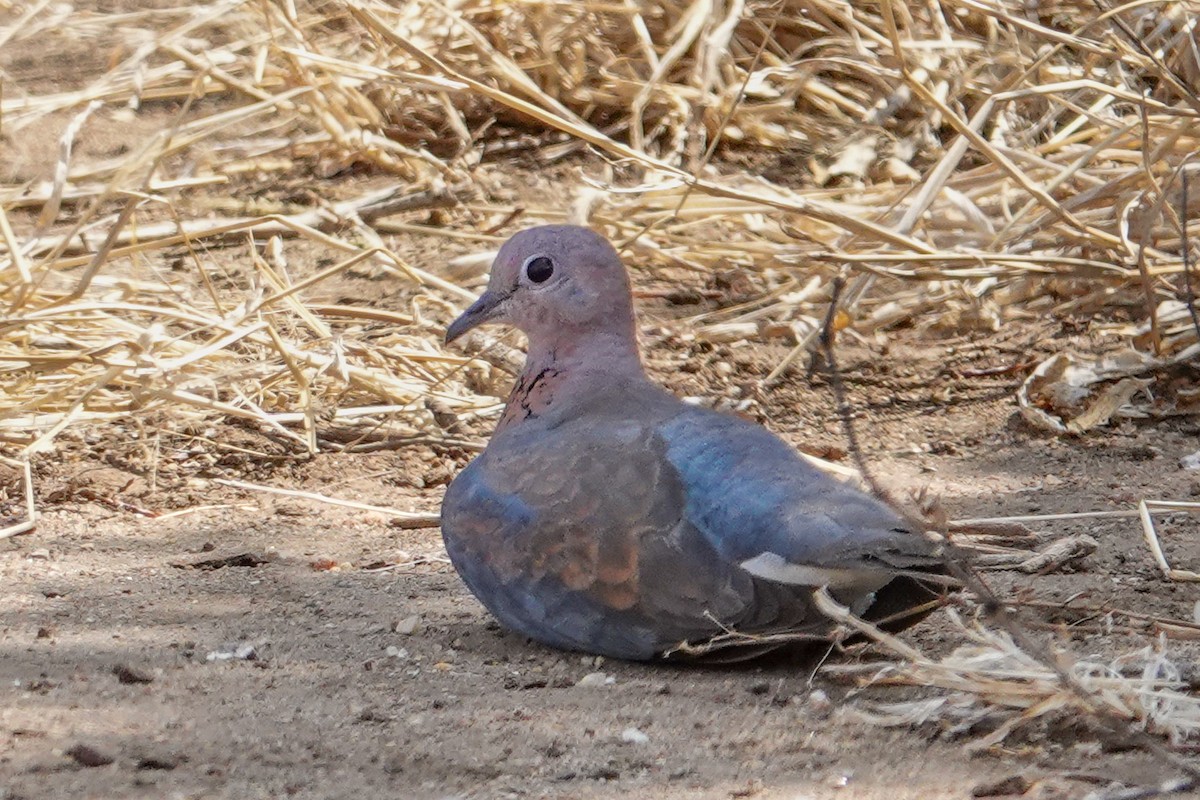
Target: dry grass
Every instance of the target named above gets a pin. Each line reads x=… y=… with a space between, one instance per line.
x=963 y=164
x=992 y=687
x=989 y=163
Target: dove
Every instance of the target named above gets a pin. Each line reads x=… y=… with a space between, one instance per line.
x=606 y=516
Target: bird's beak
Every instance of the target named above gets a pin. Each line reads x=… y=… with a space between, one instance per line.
x=485 y=309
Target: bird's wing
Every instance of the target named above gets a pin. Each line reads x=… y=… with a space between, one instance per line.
x=565 y=534
x=767 y=510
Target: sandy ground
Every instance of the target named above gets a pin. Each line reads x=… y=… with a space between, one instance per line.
x=374 y=673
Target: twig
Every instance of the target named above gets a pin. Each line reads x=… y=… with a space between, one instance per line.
x=408 y=519
x=1168 y=787
x=30 y=522
x=844 y=410
x=1186 y=248
x=957 y=564
x=1145 y=509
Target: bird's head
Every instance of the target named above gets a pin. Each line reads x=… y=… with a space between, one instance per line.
x=551 y=282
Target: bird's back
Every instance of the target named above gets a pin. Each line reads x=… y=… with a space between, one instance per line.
x=624 y=524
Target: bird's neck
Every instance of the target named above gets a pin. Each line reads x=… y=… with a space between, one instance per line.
x=564 y=368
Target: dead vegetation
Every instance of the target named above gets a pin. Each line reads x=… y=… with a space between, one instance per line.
x=963 y=165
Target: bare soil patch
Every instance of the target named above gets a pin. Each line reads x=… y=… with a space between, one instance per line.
x=373 y=671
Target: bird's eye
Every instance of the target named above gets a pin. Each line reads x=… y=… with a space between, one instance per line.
x=539 y=269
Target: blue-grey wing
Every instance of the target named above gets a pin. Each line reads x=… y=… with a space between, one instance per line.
x=581 y=541
x=628 y=539
x=763 y=507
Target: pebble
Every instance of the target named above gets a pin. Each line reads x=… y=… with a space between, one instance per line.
x=163 y=761
x=229 y=652
x=1014 y=785
x=40 y=554
x=129 y=674
x=593 y=679
x=819 y=703
x=408 y=625
x=634 y=736
x=88 y=756
x=396 y=652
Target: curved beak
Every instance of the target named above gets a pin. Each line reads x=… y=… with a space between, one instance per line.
x=485 y=309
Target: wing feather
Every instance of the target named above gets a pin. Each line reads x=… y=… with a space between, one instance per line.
x=768 y=510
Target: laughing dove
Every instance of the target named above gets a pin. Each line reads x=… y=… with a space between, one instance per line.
x=607 y=516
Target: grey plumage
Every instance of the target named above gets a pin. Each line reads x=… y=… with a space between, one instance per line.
x=609 y=517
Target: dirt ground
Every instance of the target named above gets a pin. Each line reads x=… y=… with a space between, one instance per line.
x=374 y=673
x=338 y=656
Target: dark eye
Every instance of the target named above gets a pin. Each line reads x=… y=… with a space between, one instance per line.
x=539 y=269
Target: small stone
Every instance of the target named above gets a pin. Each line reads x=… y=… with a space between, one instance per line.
x=634 y=736
x=228 y=652
x=372 y=715
x=40 y=554
x=753 y=787
x=1012 y=785
x=594 y=679
x=88 y=756
x=164 y=761
x=819 y=703
x=128 y=674
x=408 y=625
x=778 y=330
x=45 y=633
x=396 y=652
